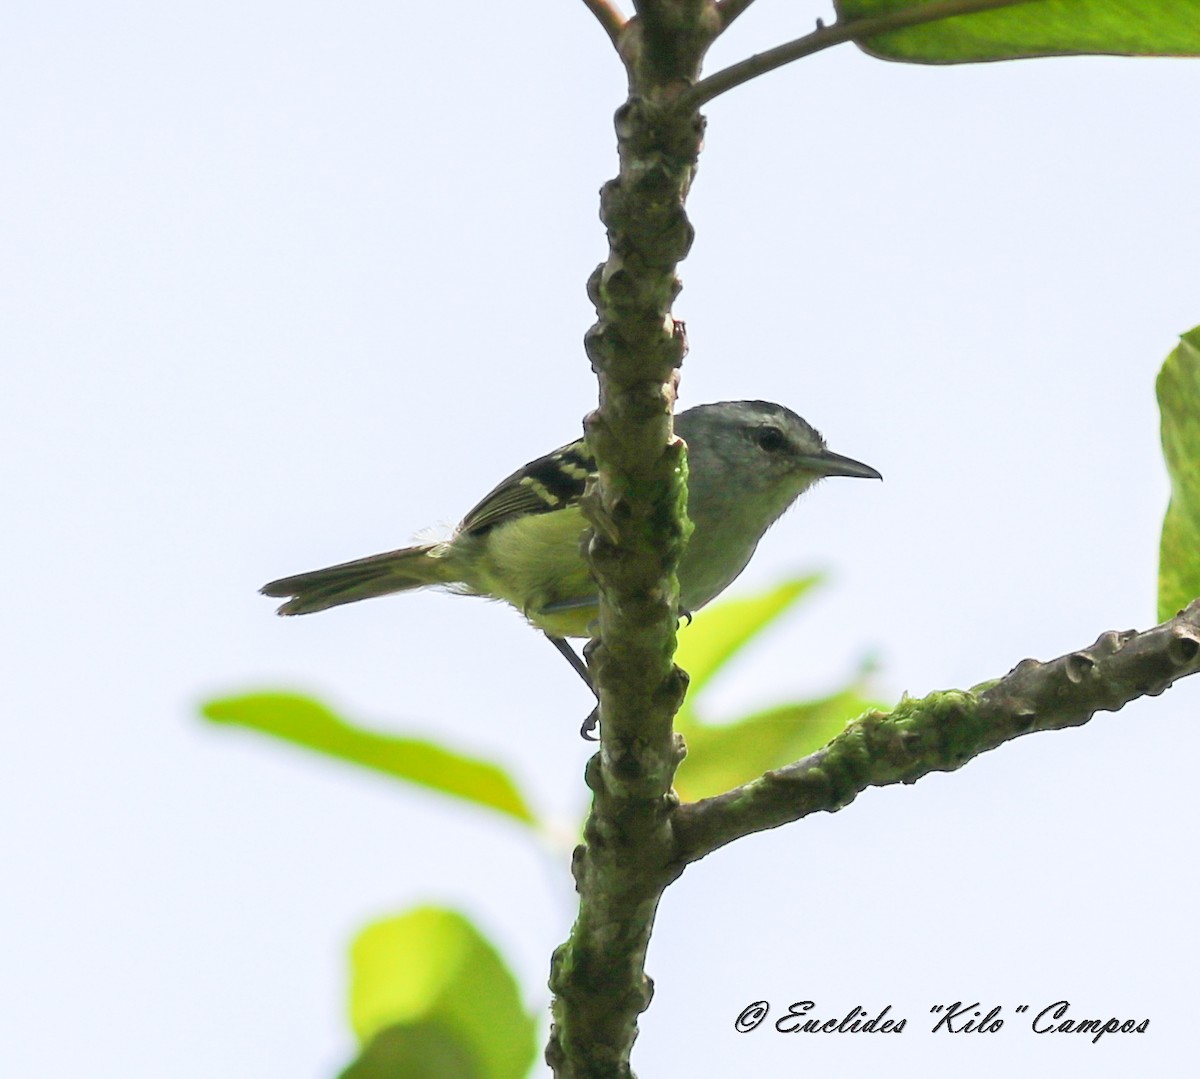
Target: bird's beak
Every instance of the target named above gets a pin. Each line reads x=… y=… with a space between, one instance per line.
x=834 y=464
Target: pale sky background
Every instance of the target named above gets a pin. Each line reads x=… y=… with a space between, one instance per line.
x=282 y=284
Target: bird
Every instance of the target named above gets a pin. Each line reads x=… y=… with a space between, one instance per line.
x=748 y=462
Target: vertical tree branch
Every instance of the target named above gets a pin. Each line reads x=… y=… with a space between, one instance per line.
x=637 y=512
x=637 y=839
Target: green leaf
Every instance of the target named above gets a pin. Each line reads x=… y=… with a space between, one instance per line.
x=307 y=723
x=1033 y=28
x=721 y=631
x=417 y=1050
x=724 y=756
x=720 y=758
x=430 y=997
x=1179 y=402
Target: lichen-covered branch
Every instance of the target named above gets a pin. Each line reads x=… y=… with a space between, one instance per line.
x=637 y=838
x=639 y=528
x=943 y=731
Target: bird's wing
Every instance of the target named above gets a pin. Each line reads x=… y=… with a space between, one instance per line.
x=550 y=483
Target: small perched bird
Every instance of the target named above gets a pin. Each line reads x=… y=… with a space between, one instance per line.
x=748 y=461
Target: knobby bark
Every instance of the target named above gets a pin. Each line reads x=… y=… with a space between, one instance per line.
x=943 y=731
x=639 y=528
x=637 y=838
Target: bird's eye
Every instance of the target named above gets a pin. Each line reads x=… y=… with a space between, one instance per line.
x=770 y=439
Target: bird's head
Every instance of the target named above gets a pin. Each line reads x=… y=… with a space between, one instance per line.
x=760 y=448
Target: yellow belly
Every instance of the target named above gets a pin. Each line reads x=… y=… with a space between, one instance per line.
x=535 y=563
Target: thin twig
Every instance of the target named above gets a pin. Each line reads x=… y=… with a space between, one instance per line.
x=610 y=18
x=825 y=36
x=731 y=9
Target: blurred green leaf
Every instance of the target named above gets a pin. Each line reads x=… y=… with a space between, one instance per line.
x=721 y=631
x=720 y=758
x=414 y=1051
x=431 y=998
x=723 y=756
x=1179 y=402
x=307 y=723
x=1037 y=28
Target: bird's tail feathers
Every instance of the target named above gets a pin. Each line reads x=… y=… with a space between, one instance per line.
x=364 y=578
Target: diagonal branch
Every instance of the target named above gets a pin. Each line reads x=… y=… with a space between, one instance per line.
x=731 y=9
x=826 y=36
x=610 y=18
x=943 y=731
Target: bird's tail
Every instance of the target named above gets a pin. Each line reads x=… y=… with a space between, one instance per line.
x=393 y=571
